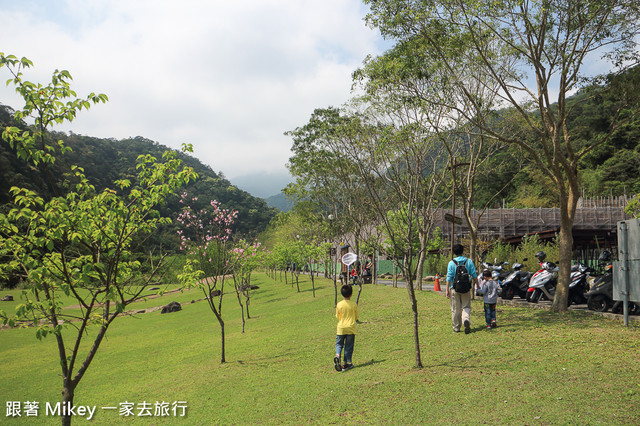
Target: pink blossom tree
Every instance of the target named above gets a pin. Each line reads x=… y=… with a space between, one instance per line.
x=205 y=238
x=246 y=257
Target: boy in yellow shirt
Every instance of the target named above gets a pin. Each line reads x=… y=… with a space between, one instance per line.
x=347 y=314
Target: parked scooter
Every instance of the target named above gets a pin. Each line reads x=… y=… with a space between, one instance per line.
x=579 y=284
x=543 y=283
x=495 y=267
x=600 y=296
x=516 y=283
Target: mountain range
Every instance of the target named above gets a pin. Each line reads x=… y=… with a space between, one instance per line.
x=263 y=184
x=267 y=186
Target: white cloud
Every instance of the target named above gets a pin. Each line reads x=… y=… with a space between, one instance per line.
x=229 y=77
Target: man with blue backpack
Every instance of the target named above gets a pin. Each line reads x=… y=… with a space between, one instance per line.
x=461 y=276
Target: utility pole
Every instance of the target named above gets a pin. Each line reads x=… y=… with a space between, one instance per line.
x=453 y=219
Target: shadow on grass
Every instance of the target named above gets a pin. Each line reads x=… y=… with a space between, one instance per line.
x=477 y=328
x=371 y=362
x=280 y=358
x=306 y=289
x=528 y=317
x=460 y=363
x=277 y=299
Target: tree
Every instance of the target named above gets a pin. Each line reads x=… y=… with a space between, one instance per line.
x=633 y=208
x=205 y=237
x=245 y=258
x=295 y=256
x=479 y=159
x=280 y=259
x=396 y=250
x=80 y=241
x=533 y=53
x=314 y=252
x=400 y=168
x=389 y=155
x=329 y=178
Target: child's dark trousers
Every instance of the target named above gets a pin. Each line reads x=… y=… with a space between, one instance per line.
x=490 y=313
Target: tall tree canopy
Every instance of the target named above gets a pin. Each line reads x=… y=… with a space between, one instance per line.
x=532 y=54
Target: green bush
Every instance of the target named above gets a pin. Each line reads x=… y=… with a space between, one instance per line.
x=499 y=252
x=436 y=264
x=529 y=246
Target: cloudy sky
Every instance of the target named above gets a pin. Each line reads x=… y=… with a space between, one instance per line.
x=229 y=77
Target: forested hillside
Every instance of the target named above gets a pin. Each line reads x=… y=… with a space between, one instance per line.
x=280 y=201
x=612 y=168
x=106 y=160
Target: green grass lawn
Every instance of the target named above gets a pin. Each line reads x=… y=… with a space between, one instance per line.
x=69 y=301
x=535 y=368
x=147 y=299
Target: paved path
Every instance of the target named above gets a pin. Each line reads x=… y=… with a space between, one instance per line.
x=543 y=304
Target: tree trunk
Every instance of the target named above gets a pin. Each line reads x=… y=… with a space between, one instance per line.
x=395 y=275
x=568 y=203
x=414 y=309
x=565 y=247
x=420 y=269
x=374 y=268
x=335 y=289
x=313 y=285
x=473 y=244
x=473 y=252
x=424 y=237
x=241 y=309
x=68 y=391
x=222 y=356
x=246 y=303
